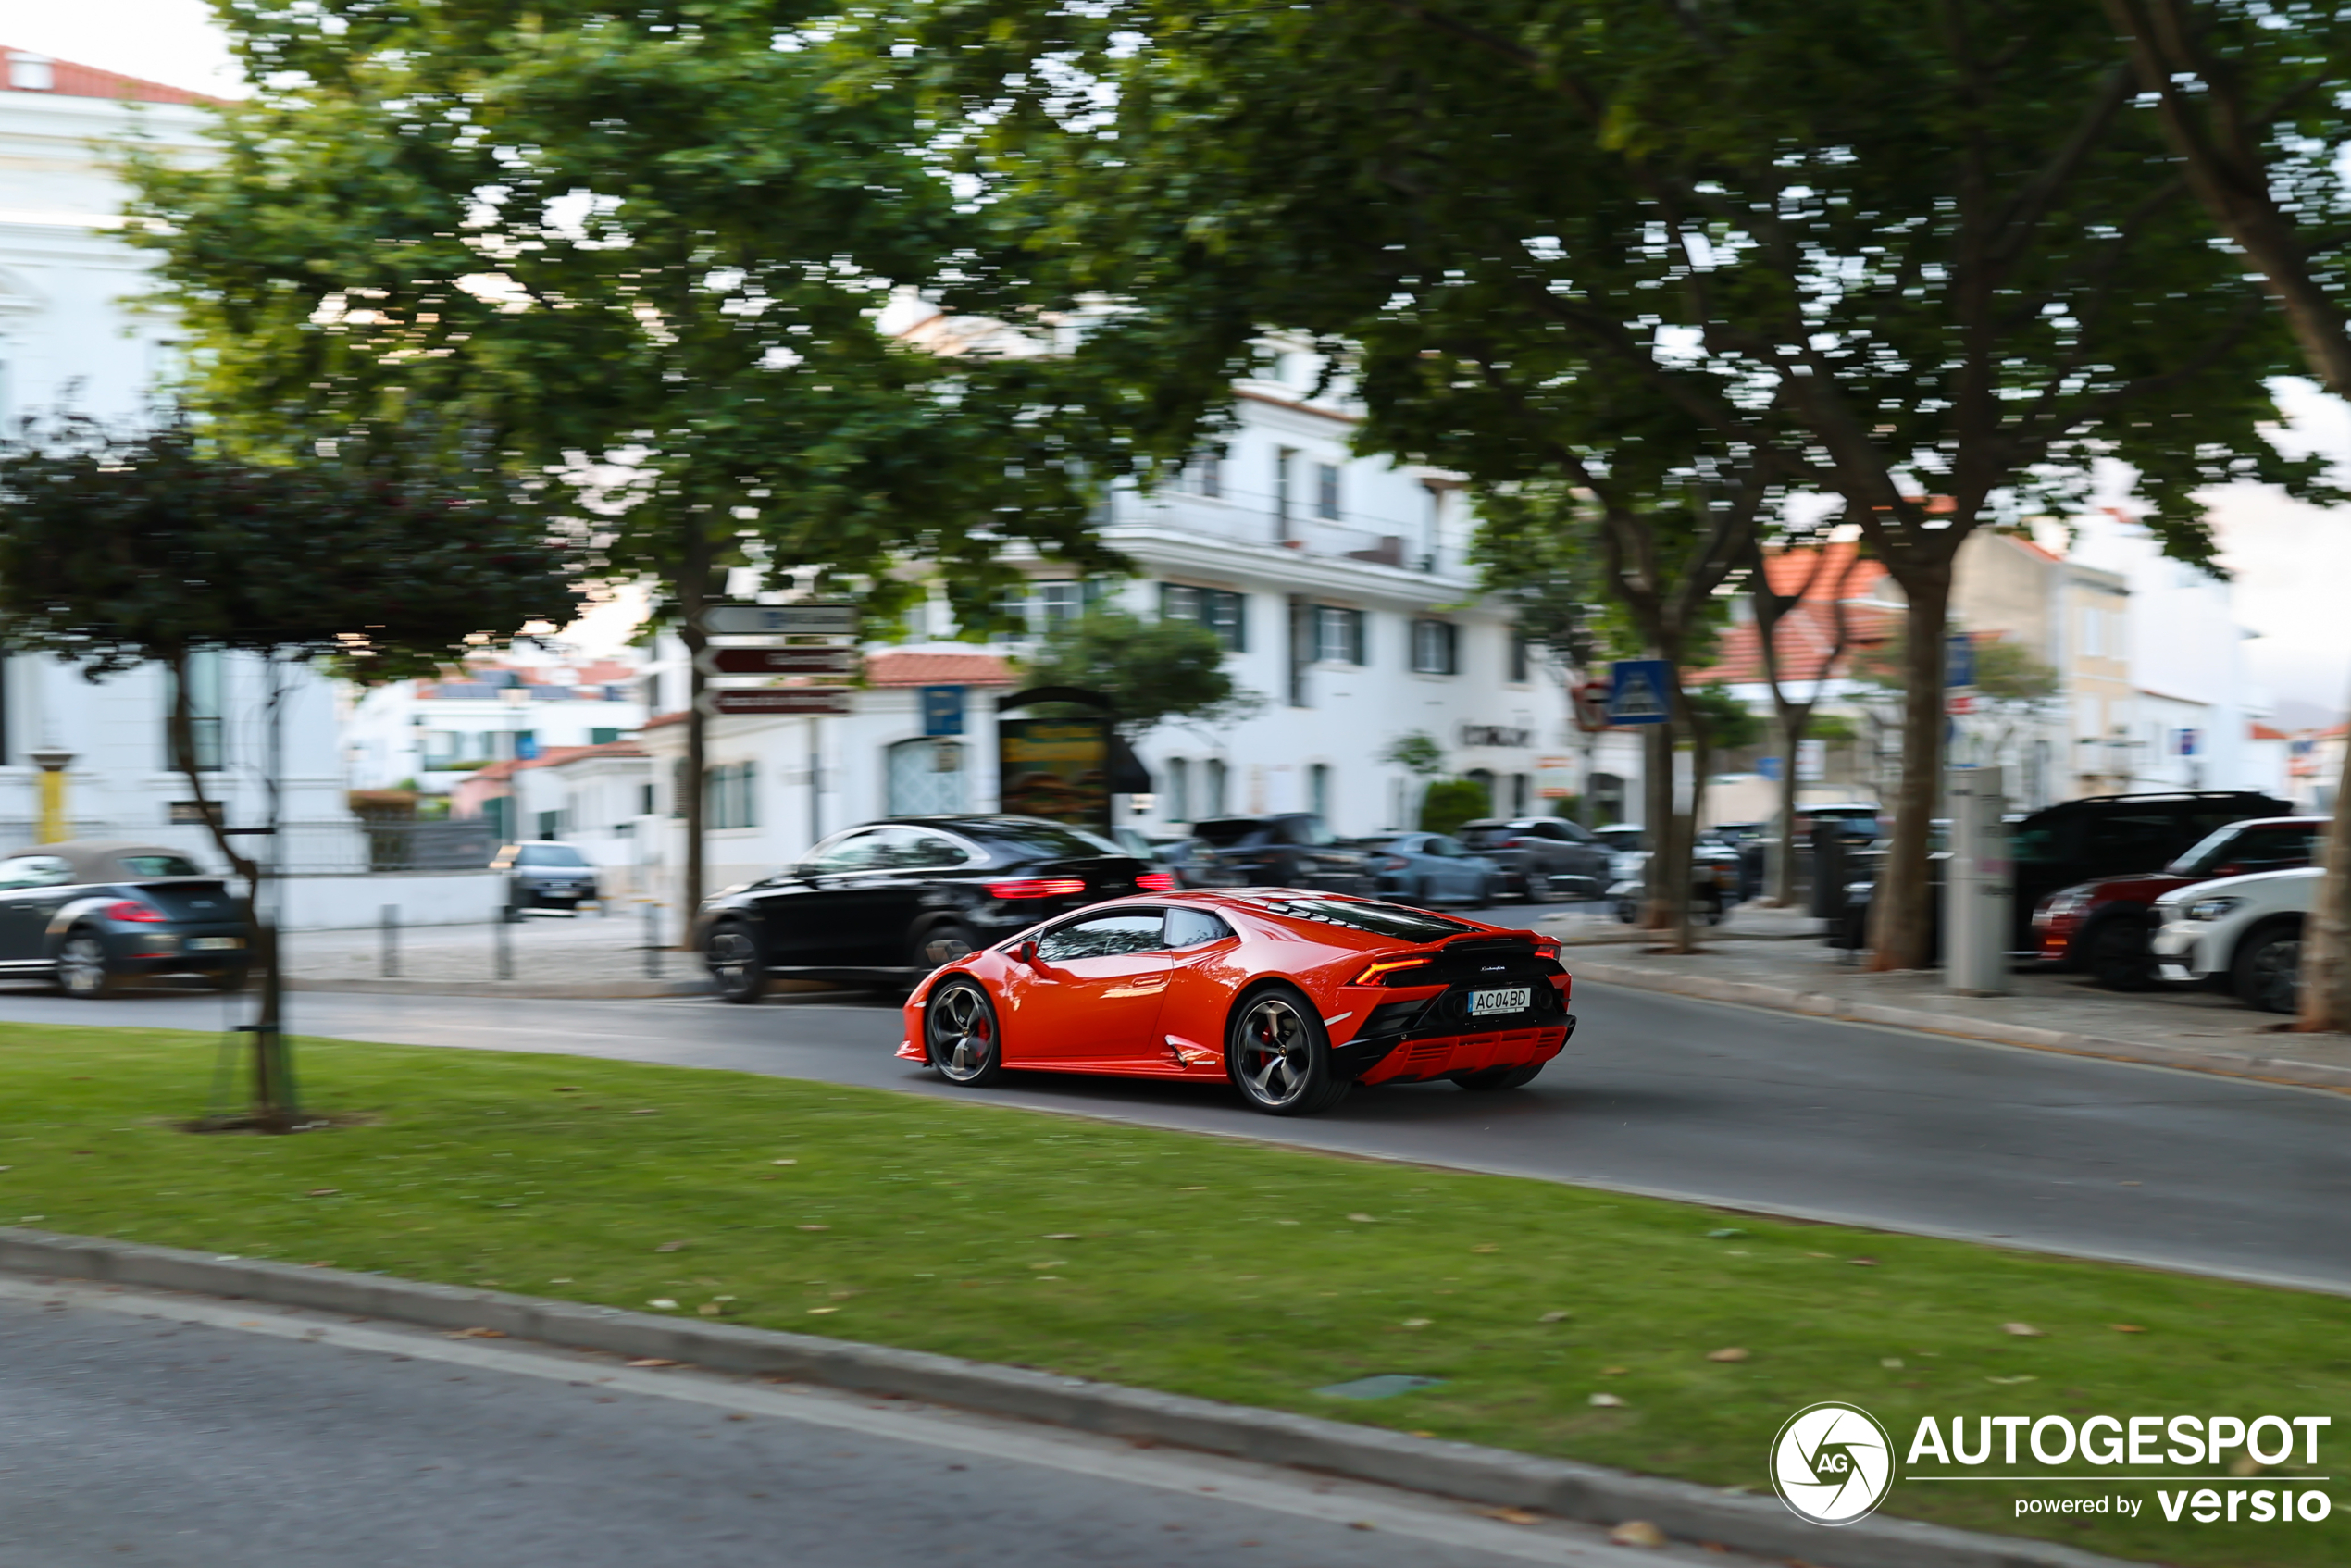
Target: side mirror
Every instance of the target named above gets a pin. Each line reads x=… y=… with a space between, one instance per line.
x=1026 y=953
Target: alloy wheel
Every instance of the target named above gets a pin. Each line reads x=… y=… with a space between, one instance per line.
x=962 y=1034
x=2277 y=977
x=1276 y=1057
x=81 y=966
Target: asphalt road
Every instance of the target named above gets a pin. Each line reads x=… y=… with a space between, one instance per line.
x=1740 y=1107
x=201 y=1434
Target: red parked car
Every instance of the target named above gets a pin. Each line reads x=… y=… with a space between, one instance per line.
x=2103 y=926
x=1294 y=995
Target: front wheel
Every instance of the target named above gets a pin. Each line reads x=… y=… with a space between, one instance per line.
x=81 y=966
x=1498 y=1078
x=2268 y=971
x=2117 y=957
x=1279 y=1055
x=732 y=954
x=1538 y=887
x=960 y=1037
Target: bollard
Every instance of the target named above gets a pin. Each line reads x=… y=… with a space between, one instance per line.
x=501 y=941
x=653 y=940
x=389 y=967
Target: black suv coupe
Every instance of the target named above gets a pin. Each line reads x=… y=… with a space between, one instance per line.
x=1542 y=857
x=886 y=902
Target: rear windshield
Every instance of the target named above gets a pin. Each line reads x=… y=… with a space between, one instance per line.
x=1486 y=838
x=1226 y=831
x=161 y=866
x=1050 y=841
x=548 y=854
x=1362 y=915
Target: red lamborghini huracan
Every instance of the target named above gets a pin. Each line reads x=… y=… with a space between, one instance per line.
x=1294 y=995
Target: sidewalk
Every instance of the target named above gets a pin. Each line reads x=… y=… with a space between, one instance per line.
x=585 y=955
x=1775 y=959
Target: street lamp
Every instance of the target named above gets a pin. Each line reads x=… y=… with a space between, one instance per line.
x=52 y=763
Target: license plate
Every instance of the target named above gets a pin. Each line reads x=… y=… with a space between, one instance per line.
x=214 y=944
x=1517 y=1000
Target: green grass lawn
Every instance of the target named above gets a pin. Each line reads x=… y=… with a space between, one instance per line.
x=1199 y=1266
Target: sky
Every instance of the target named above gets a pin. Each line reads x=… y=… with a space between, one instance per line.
x=2290 y=563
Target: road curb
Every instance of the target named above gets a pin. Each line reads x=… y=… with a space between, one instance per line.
x=1819 y=1004
x=578 y=990
x=1563 y=1487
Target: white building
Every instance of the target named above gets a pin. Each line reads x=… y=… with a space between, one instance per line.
x=430 y=736
x=1342 y=589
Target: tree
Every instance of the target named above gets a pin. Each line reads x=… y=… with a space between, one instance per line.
x=646 y=251
x=2248 y=92
x=1449 y=802
x=1151 y=672
x=1917 y=257
x=116 y=551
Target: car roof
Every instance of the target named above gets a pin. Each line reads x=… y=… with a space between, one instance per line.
x=100 y=860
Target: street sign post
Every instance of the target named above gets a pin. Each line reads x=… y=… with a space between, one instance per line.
x=942 y=709
x=810 y=700
x=1958 y=673
x=777 y=661
x=808 y=619
x=1636 y=692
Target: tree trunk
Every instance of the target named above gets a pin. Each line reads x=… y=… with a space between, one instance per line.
x=1901 y=911
x=2326 y=937
x=1657 y=822
x=693 y=592
x=273 y=1108
x=1783 y=867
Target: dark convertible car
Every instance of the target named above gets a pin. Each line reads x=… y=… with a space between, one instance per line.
x=891 y=901
x=93 y=913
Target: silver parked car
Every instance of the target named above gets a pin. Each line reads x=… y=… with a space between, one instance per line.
x=543 y=875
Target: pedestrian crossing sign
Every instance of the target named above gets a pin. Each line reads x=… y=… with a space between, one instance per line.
x=1636 y=692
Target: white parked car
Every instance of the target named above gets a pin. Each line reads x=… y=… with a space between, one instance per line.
x=2244 y=929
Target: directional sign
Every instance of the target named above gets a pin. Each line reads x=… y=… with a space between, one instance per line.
x=1636 y=692
x=777 y=661
x=778 y=700
x=807 y=619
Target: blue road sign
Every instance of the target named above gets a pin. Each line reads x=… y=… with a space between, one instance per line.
x=1959 y=661
x=942 y=709
x=1636 y=692
x=1769 y=767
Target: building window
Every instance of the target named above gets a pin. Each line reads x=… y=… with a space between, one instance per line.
x=1435 y=648
x=1338 y=636
x=644 y=800
x=204 y=738
x=1318 y=790
x=1180 y=790
x=1327 y=490
x=1214 y=806
x=1204 y=475
x=550 y=824
x=1522 y=794
x=1484 y=779
x=926 y=777
x=1519 y=657
x=729 y=796
x=1220 y=610
x=499 y=813
x=600 y=737
x=1282 y=455
x=1037 y=608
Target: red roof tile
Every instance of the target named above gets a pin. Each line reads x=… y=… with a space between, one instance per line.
x=1807 y=631
x=908 y=667
x=2259 y=731
x=70 y=80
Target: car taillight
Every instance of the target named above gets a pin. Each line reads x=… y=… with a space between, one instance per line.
x=1156 y=882
x=1036 y=886
x=1372 y=972
x=1548 y=950
x=132 y=909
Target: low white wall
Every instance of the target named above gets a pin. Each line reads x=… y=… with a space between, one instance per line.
x=426 y=897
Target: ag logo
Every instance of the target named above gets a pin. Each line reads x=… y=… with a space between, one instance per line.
x=1832 y=1464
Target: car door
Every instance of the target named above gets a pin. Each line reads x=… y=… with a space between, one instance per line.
x=1586 y=860
x=1091 y=993
x=806 y=915
x=1201 y=980
x=31 y=887
x=1453 y=875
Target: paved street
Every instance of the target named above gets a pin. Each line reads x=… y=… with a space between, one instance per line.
x=1657 y=1093
x=183 y=1431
